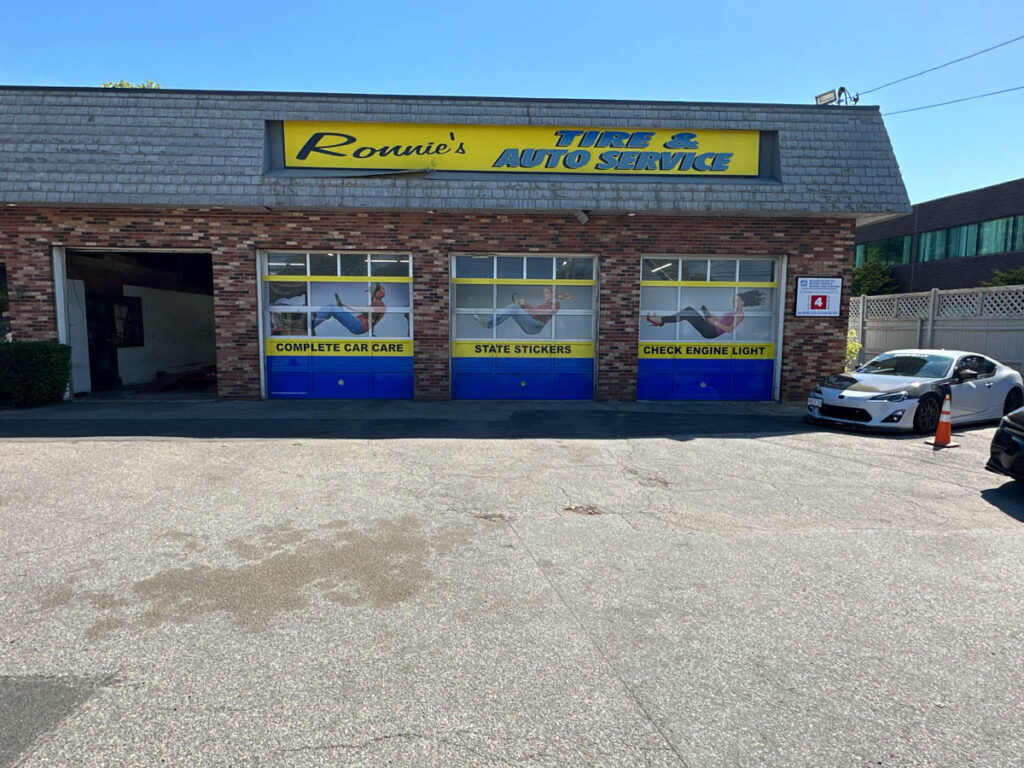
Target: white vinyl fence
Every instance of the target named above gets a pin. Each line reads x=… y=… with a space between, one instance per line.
x=985 y=320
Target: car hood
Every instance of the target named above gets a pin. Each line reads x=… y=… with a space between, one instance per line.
x=873 y=383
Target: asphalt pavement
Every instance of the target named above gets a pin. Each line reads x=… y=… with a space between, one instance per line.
x=413 y=584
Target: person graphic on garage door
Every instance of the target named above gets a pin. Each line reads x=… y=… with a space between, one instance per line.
x=708 y=325
x=356 y=323
x=531 y=319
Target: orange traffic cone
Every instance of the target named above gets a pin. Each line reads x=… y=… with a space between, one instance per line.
x=944 y=433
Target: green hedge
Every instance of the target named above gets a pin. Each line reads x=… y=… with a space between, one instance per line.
x=34 y=372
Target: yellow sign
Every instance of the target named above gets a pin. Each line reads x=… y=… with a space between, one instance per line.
x=522 y=349
x=698 y=350
x=340 y=347
x=520 y=149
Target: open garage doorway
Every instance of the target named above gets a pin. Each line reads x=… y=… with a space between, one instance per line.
x=141 y=322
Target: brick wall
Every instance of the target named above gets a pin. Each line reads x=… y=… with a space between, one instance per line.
x=814 y=246
x=954 y=273
x=993 y=202
x=814 y=346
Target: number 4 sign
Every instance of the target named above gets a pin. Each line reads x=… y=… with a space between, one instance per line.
x=818 y=296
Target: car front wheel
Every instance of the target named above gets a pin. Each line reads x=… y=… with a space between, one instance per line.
x=926 y=417
x=1014 y=400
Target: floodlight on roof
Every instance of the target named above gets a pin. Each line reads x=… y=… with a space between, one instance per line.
x=839 y=96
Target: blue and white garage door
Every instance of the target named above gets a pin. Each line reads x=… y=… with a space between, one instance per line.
x=338 y=325
x=523 y=327
x=707 y=328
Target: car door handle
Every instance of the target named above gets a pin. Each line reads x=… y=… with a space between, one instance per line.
x=989 y=386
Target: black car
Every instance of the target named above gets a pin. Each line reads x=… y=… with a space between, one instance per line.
x=1007 y=456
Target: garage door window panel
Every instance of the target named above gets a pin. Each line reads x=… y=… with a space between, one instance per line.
x=659 y=269
x=479 y=267
x=722 y=270
x=539 y=268
x=289 y=324
x=510 y=267
x=286 y=264
x=323 y=264
x=574 y=269
x=287 y=294
x=756 y=270
x=389 y=266
x=568 y=327
x=475 y=326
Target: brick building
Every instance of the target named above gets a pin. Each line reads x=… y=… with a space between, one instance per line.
x=315 y=245
x=952 y=242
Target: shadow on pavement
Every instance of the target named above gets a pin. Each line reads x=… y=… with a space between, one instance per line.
x=1009 y=497
x=395 y=420
x=857 y=431
x=33 y=705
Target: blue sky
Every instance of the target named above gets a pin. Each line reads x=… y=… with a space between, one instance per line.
x=720 y=51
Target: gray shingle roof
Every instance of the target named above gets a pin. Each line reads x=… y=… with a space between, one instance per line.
x=92 y=146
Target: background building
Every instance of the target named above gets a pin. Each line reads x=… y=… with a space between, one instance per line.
x=320 y=245
x=952 y=242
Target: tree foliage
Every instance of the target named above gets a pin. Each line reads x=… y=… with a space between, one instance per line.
x=1010 y=277
x=149 y=84
x=873 y=278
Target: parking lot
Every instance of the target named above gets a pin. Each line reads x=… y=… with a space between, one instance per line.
x=274 y=584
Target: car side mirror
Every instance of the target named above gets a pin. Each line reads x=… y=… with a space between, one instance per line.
x=967 y=374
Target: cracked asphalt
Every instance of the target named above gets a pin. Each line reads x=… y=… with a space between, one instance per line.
x=274 y=584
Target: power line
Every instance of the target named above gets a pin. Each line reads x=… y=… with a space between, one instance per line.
x=954 y=101
x=954 y=61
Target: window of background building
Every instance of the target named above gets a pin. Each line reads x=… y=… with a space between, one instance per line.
x=995 y=236
x=982 y=239
x=962 y=242
x=931 y=246
x=892 y=250
x=1018 y=233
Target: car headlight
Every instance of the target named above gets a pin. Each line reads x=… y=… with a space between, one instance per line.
x=892 y=397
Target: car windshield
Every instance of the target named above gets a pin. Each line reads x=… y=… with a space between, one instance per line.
x=925 y=366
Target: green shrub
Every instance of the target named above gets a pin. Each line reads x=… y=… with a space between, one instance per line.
x=34 y=372
x=1010 y=277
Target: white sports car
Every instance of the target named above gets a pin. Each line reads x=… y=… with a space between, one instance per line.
x=904 y=389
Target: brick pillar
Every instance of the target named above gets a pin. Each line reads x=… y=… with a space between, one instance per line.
x=236 y=318
x=617 y=334
x=431 y=345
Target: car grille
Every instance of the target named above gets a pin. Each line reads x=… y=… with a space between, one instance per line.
x=841 y=412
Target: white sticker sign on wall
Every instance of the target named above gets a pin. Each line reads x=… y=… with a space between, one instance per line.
x=818 y=296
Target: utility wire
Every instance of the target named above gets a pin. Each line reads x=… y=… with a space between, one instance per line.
x=954 y=101
x=954 y=61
